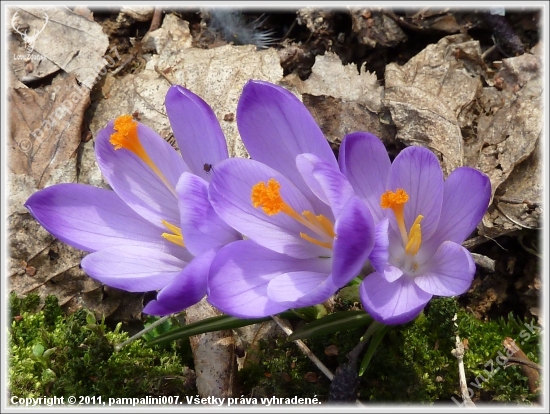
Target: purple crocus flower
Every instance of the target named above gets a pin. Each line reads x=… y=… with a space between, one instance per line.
x=429 y=219
x=306 y=233
x=143 y=236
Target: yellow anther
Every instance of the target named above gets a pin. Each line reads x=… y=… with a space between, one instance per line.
x=126 y=136
x=176 y=237
x=415 y=237
x=315 y=241
x=396 y=201
x=320 y=221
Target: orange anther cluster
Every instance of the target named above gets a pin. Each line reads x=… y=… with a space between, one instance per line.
x=126 y=133
x=268 y=197
x=391 y=200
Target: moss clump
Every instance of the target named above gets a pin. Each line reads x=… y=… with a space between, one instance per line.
x=56 y=355
x=413 y=364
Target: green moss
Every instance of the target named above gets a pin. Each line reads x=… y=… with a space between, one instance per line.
x=58 y=355
x=413 y=364
x=54 y=354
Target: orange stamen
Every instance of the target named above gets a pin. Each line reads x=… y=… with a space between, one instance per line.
x=126 y=136
x=396 y=201
x=269 y=198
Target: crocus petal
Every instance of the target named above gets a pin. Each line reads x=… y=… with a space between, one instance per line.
x=196 y=129
x=326 y=182
x=275 y=127
x=391 y=273
x=379 y=255
x=240 y=274
x=449 y=272
x=392 y=303
x=466 y=197
x=321 y=293
x=131 y=268
x=135 y=182
x=90 y=219
x=291 y=286
x=186 y=289
x=201 y=227
x=230 y=194
x=365 y=162
x=353 y=242
x=417 y=171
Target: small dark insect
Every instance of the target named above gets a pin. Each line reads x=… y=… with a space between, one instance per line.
x=208 y=167
x=137 y=116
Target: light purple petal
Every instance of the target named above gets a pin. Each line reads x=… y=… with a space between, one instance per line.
x=186 y=289
x=202 y=228
x=466 y=197
x=135 y=182
x=291 y=286
x=353 y=242
x=131 y=268
x=417 y=171
x=275 y=127
x=379 y=255
x=319 y=294
x=391 y=273
x=392 y=303
x=365 y=162
x=230 y=194
x=91 y=219
x=449 y=272
x=325 y=181
x=240 y=274
x=196 y=129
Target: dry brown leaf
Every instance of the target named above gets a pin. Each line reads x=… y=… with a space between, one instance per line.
x=521 y=194
x=338 y=118
x=68 y=41
x=430 y=96
x=172 y=37
x=84 y=12
x=509 y=135
x=216 y=75
x=330 y=77
x=341 y=99
x=45 y=128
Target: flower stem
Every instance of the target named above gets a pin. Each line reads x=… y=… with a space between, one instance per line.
x=304 y=348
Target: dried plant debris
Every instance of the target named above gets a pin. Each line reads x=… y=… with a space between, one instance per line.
x=342 y=99
x=429 y=98
x=173 y=36
x=60 y=40
x=330 y=77
x=320 y=22
x=519 y=198
x=45 y=129
x=217 y=75
x=435 y=19
x=508 y=131
x=437 y=100
x=374 y=28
